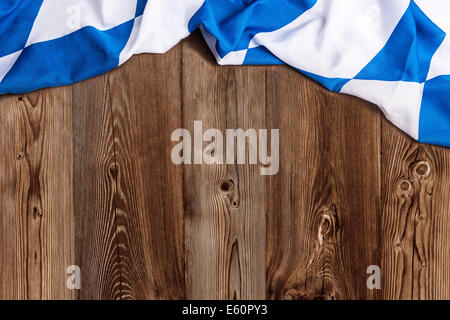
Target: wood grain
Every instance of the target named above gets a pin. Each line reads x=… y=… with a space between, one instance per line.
x=10 y=280
x=224 y=207
x=324 y=203
x=149 y=202
x=86 y=179
x=414 y=218
x=95 y=189
x=42 y=216
x=432 y=228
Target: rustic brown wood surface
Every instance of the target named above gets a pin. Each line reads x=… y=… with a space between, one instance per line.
x=86 y=179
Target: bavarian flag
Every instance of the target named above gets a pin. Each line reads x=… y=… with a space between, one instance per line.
x=394 y=53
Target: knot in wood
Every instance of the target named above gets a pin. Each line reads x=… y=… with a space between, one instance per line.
x=226 y=187
x=422 y=169
x=20 y=155
x=37 y=213
x=327 y=225
x=113 y=171
x=405 y=186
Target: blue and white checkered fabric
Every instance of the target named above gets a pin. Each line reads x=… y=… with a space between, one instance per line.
x=394 y=53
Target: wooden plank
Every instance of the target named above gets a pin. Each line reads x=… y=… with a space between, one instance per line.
x=425 y=264
x=398 y=213
x=149 y=201
x=322 y=222
x=415 y=218
x=432 y=226
x=96 y=245
x=224 y=204
x=11 y=285
x=37 y=215
x=355 y=159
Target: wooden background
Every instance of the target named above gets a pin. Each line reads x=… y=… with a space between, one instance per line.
x=86 y=179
